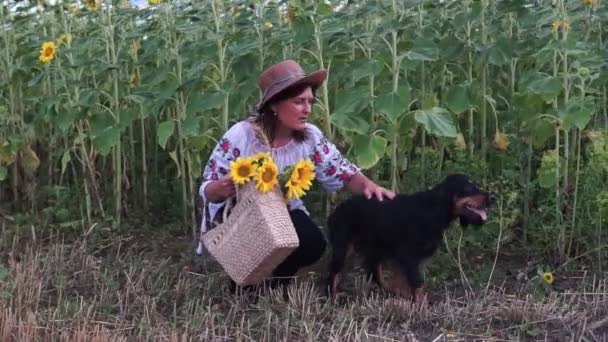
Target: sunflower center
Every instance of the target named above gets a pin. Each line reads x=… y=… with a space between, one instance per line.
x=243 y=171
x=267 y=175
x=48 y=51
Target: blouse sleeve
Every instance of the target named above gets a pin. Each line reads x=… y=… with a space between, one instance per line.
x=227 y=149
x=332 y=169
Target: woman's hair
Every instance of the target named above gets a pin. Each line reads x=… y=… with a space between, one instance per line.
x=267 y=119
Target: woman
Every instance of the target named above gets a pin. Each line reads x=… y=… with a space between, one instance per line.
x=282 y=113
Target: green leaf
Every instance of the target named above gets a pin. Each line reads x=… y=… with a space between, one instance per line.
x=100 y=122
x=211 y=101
x=366 y=68
x=527 y=106
x=108 y=138
x=423 y=50
x=539 y=130
x=173 y=155
x=190 y=126
x=65 y=160
x=351 y=101
x=501 y=53
x=164 y=131
x=393 y=106
x=3 y=172
x=576 y=114
x=304 y=29
x=368 y=150
x=349 y=122
x=126 y=118
x=458 y=98
x=64 y=120
x=437 y=121
x=324 y=9
x=547 y=87
x=546 y=179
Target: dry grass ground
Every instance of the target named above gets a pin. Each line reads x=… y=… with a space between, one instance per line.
x=122 y=289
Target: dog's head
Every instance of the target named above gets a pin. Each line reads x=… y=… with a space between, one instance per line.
x=469 y=202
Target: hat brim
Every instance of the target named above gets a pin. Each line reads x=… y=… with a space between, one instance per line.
x=314 y=79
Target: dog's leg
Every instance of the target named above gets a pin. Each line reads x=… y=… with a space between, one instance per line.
x=337 y=263
x=402 y=287
x=378 y=276
x=415 y=277
x=340 y=240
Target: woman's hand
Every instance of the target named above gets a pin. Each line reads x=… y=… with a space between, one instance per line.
x=220 y=190
x=372 y=189
x=363 y=185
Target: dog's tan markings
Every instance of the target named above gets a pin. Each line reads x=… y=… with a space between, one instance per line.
x=402 y=287
x=477 y=201
x=335 y=283
x=380 y=276
x=419 y=296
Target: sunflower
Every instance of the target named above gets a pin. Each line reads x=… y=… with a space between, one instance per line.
x=261 y=157
x=92 y=5
x=154 y=2
x=301 y=179
x=548 y=277
x=294 y=190
x=242 y=170
x=47 y=52
x=267 y=176
x=501 y=141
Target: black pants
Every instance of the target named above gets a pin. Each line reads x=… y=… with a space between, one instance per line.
x=311 y=248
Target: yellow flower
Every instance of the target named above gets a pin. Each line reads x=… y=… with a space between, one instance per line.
x=460 y=143
x=267 y=25
x=548 y=277
x=154 y=2
x=64 y=38
x=555 y=25
x=261 y=157
x=267 y=176
x=291 y=14
x=242 y=170
x=565 y=24
x=304 y=173
x=301 y=179
x=588 y=2
x=92 y=5
x=294 y=190
x=47 y=52
x=501 y=141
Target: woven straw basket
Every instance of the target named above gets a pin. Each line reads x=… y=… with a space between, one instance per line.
x=255 y=237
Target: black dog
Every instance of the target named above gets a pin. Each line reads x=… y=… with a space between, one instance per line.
x=405 y=231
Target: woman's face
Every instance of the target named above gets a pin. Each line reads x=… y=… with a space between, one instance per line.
x=293 y=112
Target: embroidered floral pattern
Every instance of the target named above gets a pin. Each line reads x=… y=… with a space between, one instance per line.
x=224 y=151
x=330 y=162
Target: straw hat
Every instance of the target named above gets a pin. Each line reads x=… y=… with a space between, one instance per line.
x=283 y=75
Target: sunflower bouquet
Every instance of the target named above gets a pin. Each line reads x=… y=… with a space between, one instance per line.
x=296 y=179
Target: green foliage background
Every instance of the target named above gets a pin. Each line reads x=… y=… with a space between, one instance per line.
x=120 y=122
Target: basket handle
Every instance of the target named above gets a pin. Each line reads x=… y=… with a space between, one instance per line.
x=229 y=201
x=263 y=137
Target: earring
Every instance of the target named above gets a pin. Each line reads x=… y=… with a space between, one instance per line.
x=274 y=113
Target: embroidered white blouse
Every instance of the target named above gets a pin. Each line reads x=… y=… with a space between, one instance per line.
x=331 y=168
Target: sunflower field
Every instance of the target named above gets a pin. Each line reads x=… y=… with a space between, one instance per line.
x=110 y=109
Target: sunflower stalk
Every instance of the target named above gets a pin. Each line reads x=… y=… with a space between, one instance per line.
x=422 y=96
x=222 y=68
x=484 y=86
x=112 y=59
x=318 y=54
